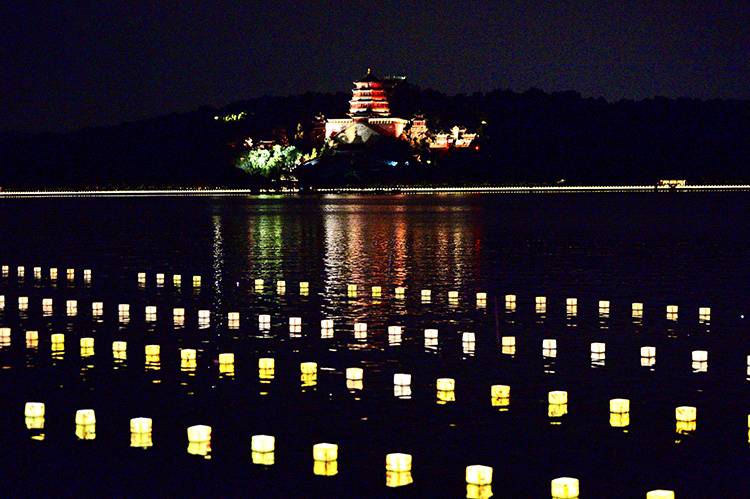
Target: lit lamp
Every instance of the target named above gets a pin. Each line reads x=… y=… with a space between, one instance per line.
x=549 y=347
x=510 y=303
x=686 y=418
x=394 y=335
x=199 y=440
x=308 y=373
x=178 y=317
x=188 y=359
x=540 y=304
x=446 y=390
x=71 y=273
x=266 y=369
x=150 y=313
x=565 y=488
x=32 y=339
x=637 y=309
x=47 y=306
x=704 y=314
x=204 y=319
x=508 y=345
x=57 y=342
x=176 y=280
x=619 y=413
x=97 y=309
x=426 y=295
x=354 y=378
x=431 y=338
x=481 y=300
x=604 y=308
x=280 y=287
x=123 y=312
x=21 y=272
x=598 y=353
x=660 y=494
x=399 y=292
x=141 y=279
x=500 y=396
x=196 y=281
x=87 y=276
x=326 y=328
x=34 y=415
x=478 y=481
x=226 y=364
x=4 y=336
x=37 y=273
x=700 y=361
x=325 y=458
x=351 y=290
x=558 y=404
x=453 y=297
x=468 y=343
x=263 y=447
x=71 y=308
x=5 y=270
x=153 y=354
x=571 y=307
x=360 y=331
x=23 y=303
x=119 y=350
x=377 y=291
x=160 y=280
x=87 y=347
x=648 y=356
x=264 y=321
x=140 y=433
x=2 y=302
x=398 y=469
x=295 y=325
x=672 y=311
x=402 y=386
x=85 y=424
x=234 y=320
x=258 y=285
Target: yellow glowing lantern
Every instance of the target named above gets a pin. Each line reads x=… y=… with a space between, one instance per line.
x=477 y=474
x=604 y=308
x=123 y=310
x=2 y=302
x=258 y=285
x=648 y=356
x=264 y=321
x=71 y=308
x=140 y=425
x=204 y=318
x=47 y=306
x=266 y=363
x=481 y=300
x=176 y=280
x=87 y=347
x=510 y=303
x=660 y=494
x=280 y=287
x=325 y=452
x=565 y=488
x=557 y=397
x=160 y=280
x=354 y=373
x=571 y=306
x=57 y=340
x=97 y=308
x=325 y=468
x=141 y=278
x=262 y=447
x=398 y=478
x=377 y=291
x=266 y=369
x=87 y=275
x=700 y=361
x=295 y=324
x=686 y=418
x=85 y=424
x=21 y=271
x=150 y=313
x=446 y=384
x=37 y=272
x=196 y=281
x=153 y=353
x=619 y=413
x=394 y=335
x=508 y=345
x=360 y=330
x=23 y=303
x=558 y=404
x=199 y=440
x=400 y=292
x=500 y=395
x=308 y=368
x=598 y=353
x=226 y=358
x=426 y=295
x=637 y=310
x=453 y=297
x=119 y=350
x=398 y=461
x=32 y=339
x=351 y=290
x=672 y=312
x=4 y=336
x=549 y=347
x=468 y=343
x=71 y=273
x=704 y=314
x=188 y=354
x=6 y=270
x=140 y=433
x=233 y=320
x=34 y=410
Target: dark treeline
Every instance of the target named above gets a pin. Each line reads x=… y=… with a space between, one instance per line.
x=529 y=137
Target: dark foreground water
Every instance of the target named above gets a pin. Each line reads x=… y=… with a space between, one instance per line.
x=689 y=250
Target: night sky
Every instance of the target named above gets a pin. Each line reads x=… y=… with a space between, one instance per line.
x=65 y=65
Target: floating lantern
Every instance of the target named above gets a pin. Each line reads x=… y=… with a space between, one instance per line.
x=325 y=468
x=140 y=433
x=23 y=303
x=394 y=335
x=308 y=368
x=2 y=302
x=87 y=347
x=37 y=273
x=295 y=324
x=160 y=280
x=57 y=340
x=377 y=291
x=141 y=279
x=123 y=312
x=619 y=413
x=686 y=418
x=196 y=281
x=226 y=363
x=153 y=351
x=262 y=447
x=304 y=288
x=351 y=290
x=87 y=276
x=400 y=292
x=557 y=404
x=199 y=440
x=258 y=285
x=453 y=297
x=326 y=328
x=401 y=379
x=700 y=361
x=481 y=300
x=71 y=308
x=398 y=469
x=468 y=343
x=280 y=287
x=309 y=374
x=188 y=359
x=477 y=474
x=672 y=312
x=176 y=280
x=140 y=425
x=266 y=368
x=660 y=494
x=119 y=350
x=47 y=306
x=510 y=303
x=540 y=304
x=264 y=321
x=426 y=295
x=500 y=395
x=604 y=308
x=150 y=313
x=571 y=306
x=178 y=317
x=53 y=274
x=549 y=348
x=354 y=378
x=85 y=424
x=431 y=338
x=557 y=397
x=325 y=452
x=565 y=488
x=648 y=356
x=5 y=270
x=4 y=336
x=97 y=309
x=360 y=331
x=598 y=353
x=233 y=320
x=32 y=339
x=704 y=314
x=204 y=318
x=71 y=274
x=34 y=415
x=266 y=363
x=508 y=345
x=637 y=309
x=446 y=384
x=21 y=272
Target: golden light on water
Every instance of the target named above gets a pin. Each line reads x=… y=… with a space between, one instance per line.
x=478 y=481
x=199 y=440
x=565 y=488
x=660 y=494
x=85 y=424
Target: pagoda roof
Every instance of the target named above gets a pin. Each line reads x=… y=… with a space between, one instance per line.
x=369 y=77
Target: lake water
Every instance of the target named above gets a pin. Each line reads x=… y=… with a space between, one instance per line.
x=659 y=249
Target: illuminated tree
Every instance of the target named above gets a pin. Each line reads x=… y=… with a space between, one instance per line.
x=274 y=163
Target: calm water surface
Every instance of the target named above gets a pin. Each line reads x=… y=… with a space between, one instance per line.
x=689 y=250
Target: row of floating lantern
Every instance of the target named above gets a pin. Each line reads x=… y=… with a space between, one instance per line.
x=70 y=273
x=398 y=465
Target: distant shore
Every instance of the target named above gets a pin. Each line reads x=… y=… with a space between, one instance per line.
x=199 y=192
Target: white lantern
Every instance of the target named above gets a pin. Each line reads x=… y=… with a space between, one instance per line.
x=481 y=300
x=426 y=295
x=398 y=462
x=540 y=303
x=264 y=321
x=199 y=434
x=97 y=308
x=280 y=287
x=325 y=452
x=565 y=488
x=446 y=384
x=478 y=474
x=34 y=410
x=660 y=494
x=304 y=288
x=400 y=292
x=704 y=314
x=401 y=379
x=510 y=303
x=262 y=443
x=637 y=309
x=160 y=280
x=571 y=306
x=140 y=425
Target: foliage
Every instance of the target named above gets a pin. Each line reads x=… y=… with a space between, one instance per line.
x=272 y=163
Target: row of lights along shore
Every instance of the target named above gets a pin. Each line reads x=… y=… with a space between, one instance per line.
x=699 y=358
x=398 y=465
x=352 y=290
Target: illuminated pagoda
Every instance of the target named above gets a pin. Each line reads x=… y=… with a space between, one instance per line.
x=369 y=115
